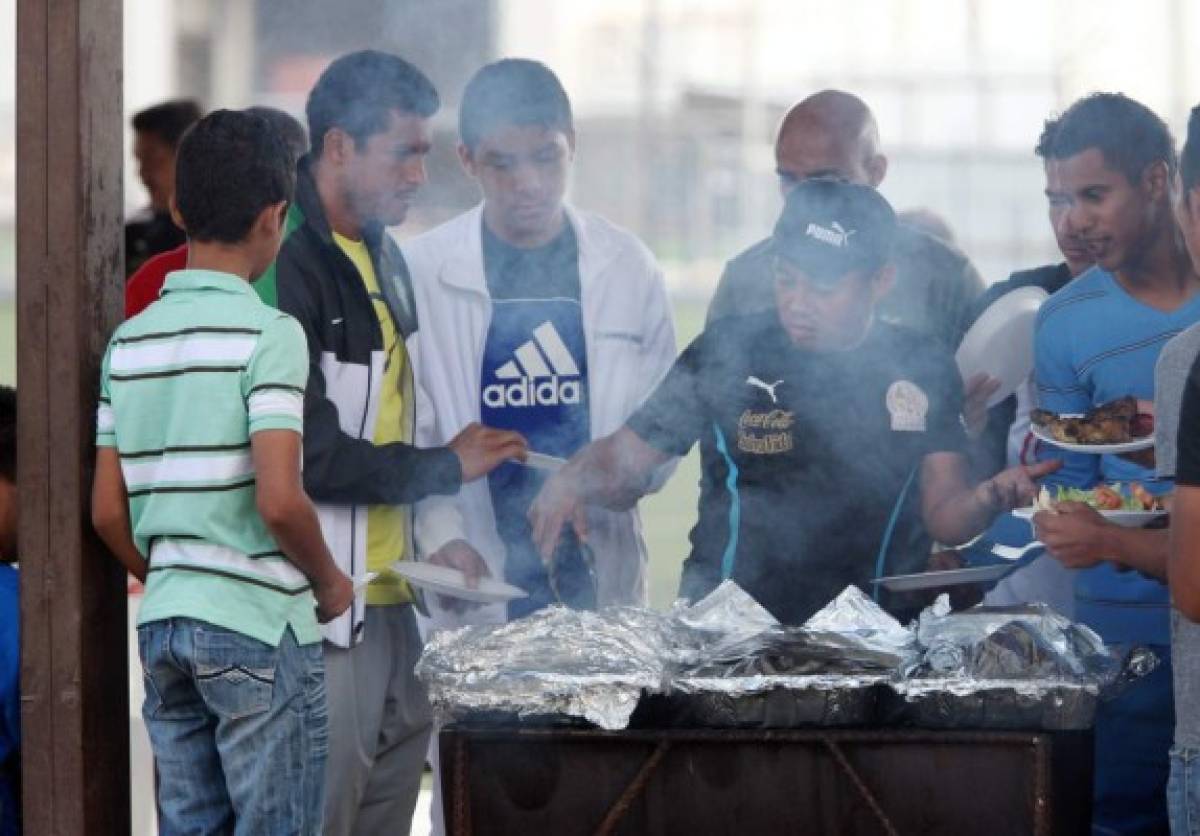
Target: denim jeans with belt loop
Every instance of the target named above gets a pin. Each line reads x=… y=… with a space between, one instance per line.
x=238 y=729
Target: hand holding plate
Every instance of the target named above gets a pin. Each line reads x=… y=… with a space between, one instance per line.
x=1074 y=533
x=460 y=555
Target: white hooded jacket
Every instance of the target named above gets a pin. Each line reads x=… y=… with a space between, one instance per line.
x=630 y=340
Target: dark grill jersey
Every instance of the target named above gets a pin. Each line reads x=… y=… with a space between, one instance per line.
x=809 y=460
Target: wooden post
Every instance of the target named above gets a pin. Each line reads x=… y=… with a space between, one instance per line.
x=74 y=673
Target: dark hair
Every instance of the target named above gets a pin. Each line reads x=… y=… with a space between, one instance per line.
x=514 y=91
x=1127 y=133
x=1189 y=159
x=288 y=126
x=231 y=165
x=168 y=121
x=359 y=91
x=8 y=433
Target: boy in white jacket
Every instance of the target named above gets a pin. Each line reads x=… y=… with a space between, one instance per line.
x=537 y=318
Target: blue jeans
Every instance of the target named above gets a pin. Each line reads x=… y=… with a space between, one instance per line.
x=1183 y=792
x=1133 y=738
x=238 y=729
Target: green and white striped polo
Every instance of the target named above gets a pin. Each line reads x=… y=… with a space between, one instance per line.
x=183 y=387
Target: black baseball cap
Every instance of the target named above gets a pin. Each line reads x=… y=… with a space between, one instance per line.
x=831 y=228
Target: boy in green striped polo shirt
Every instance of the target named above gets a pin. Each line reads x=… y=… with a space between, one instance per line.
x=198 y=493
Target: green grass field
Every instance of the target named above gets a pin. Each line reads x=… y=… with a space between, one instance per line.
x=667 y=516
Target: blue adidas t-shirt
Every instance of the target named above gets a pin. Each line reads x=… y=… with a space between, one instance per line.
x=534 y=381
x=1095 y=343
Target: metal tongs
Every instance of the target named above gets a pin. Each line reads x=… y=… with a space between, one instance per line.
x=589 y=562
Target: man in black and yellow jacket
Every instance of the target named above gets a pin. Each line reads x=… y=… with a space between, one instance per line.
x=343 y=278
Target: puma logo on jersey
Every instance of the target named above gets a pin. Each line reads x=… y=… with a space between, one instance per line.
x=769 y=388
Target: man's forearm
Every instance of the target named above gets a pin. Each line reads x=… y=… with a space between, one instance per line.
x=116 y=535
x=344 y=470
x=611 y=474
x=1182 y=574
x=954 y=512
x=960 y=517
x=110 y=513
x=1143 y=550
x=295 y=527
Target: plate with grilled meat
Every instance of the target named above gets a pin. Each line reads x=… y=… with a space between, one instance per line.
x=1114 y=427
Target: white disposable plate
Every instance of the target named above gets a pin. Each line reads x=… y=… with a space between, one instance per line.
x=542 y=461
x=1125 y=519
x=451 y=582
x=362 y=581
x=950 y=577
x=1000 y=343
x=1143 y=443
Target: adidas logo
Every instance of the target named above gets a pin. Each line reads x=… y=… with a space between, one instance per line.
x=833 y=235
x=542 y=373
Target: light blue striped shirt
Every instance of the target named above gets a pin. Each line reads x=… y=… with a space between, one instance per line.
x=1095 y=343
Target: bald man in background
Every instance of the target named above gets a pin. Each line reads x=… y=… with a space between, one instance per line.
x=833 y=134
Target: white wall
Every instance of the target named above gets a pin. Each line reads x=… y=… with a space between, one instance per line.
x=150 y=73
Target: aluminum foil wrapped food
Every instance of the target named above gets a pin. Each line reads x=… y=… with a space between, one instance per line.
x=727 y=611
x=560 y=664
x=725 y=662
x=851 y=635
x=861 y=623
x=826 y=673
x=557 y=663
x=968 y=643
x=1009 y=667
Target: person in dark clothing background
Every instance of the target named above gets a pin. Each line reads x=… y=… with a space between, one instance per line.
x=156 y=134
x=343 y=277
x=833 y=134
x=1001 y=437
x=143 y=286
x=1000 y=430
x=830 y=445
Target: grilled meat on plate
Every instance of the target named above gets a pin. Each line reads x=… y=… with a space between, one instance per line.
x=1115 y=422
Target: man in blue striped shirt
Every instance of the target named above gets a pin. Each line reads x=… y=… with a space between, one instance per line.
x=1110 y=163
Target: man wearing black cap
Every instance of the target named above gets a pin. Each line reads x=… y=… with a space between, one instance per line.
x=827 y=437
